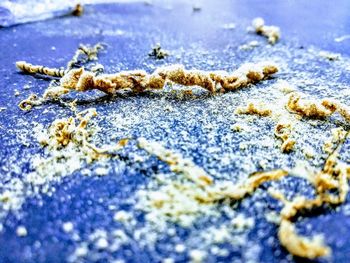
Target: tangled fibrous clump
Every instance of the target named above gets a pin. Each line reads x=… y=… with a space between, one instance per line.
x=283 y=131
x=84 y=54
x=73 y=130
x=318 y=109
x=139 y=80
x=272 y=33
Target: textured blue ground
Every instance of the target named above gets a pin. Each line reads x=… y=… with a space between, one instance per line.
x=85 y=200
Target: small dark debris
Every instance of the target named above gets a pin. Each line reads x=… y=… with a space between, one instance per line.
x=196 y=8
x=158 y=53
x=78 y=10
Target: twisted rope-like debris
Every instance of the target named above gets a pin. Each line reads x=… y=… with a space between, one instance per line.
x=139 y=80
x=38 y=69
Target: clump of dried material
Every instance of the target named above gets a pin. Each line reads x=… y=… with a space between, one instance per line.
x=139 y=80
x=62 y=132
x=318 y=109
x=246 y=74
x=308 y=108
x=78 y=10
x=69 y=139
x=271 y=32
x=158 y=53
x=254 y=109
x=83 y=55
x=283 y=131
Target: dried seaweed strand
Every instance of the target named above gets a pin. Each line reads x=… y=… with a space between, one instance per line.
x=83 y=54
x=35 y=69
x=332 y=177
x=139 y=80
x=176 y=162
x=214 y=191
x=237 y=192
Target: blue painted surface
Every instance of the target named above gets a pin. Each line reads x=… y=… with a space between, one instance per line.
x=85 y=200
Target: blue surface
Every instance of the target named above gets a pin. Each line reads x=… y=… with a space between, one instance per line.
x=85 y=200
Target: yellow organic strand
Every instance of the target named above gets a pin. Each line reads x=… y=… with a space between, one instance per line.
x=212 y=191
x=87 y=52
x=333 y=176
x=139 y=80
x=300 y=246
x=179 y=164
x=176 y=162
x=36 y=69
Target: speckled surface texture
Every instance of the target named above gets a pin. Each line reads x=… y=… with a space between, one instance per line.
x=198 y=126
